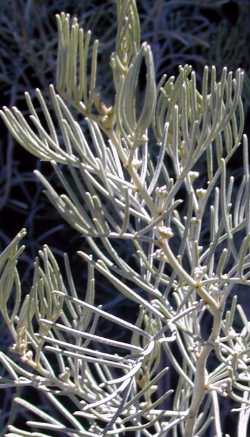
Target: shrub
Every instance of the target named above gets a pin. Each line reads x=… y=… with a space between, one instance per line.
x=130 y=175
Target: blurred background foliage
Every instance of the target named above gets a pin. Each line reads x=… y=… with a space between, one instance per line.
x=197 y=32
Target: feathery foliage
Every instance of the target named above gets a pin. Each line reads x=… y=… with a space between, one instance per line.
x=129 y=173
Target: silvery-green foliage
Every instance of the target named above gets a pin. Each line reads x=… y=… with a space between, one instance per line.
x=114 y=187
x=231 y=48
x=27 y=60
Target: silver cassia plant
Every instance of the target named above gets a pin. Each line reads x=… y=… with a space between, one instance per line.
x=123 y=169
